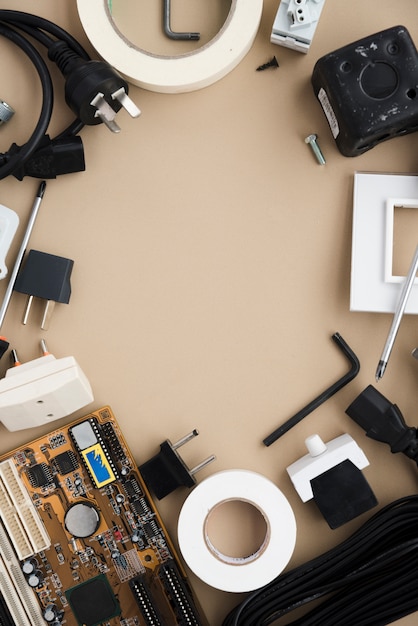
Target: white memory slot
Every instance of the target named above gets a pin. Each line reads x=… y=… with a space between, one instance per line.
x=19 y=515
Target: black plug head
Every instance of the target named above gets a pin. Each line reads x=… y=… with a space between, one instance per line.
x=383 y=421
x=166 y=471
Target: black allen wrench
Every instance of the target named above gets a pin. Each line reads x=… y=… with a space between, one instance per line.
x=167 y=26
x=314 y=404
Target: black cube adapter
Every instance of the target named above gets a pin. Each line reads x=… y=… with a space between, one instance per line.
x=369 y=90
x=342 y=493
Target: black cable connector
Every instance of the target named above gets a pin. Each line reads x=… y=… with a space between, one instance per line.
x=45 y=276
x=166 y=471
x=52 y=158
x=384 y=422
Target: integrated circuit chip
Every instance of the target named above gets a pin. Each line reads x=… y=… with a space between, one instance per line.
x=66 y=462
x=93 y=601
x=39 y=475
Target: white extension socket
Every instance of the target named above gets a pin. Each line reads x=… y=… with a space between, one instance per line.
x=41 y=391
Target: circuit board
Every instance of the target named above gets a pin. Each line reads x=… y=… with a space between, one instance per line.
x=81 y=542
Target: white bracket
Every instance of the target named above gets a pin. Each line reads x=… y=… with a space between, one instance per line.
x=295 y=23
x=373 y=285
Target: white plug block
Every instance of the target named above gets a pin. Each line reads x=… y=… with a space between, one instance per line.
x=322 y=457
x=41 y=391
x=9 y=221
x=295 y=23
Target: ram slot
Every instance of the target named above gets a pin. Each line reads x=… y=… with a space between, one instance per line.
x=19 y=515
x=5 y=616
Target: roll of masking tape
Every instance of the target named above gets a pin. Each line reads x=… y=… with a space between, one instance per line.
x=186 y=72
x=236 y=574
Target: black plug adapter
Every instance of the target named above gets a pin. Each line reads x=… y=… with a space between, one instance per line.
x=383 y=422
x=369 y=90
x=166 y=471
x=93 y=89
x=44 y=276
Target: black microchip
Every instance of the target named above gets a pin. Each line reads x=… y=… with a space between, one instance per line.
x=93 y=602
x=66 y=462
x=39 y=475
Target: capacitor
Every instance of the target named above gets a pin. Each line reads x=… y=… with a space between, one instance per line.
x=120 y=498
x=50 y=613
x=29 y=566
x=35 y=579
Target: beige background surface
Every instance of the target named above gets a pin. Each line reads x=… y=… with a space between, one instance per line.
x=212 y=265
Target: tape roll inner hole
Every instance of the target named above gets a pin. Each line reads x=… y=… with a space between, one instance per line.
x=236 y=531
x=140 y=23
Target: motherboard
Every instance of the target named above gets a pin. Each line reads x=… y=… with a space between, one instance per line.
x=81 y=542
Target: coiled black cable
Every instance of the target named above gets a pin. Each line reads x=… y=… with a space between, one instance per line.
x=16 y=26
x=368 y=580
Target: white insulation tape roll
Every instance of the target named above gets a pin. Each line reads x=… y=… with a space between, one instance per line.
x=186 y=72
x=231 y=573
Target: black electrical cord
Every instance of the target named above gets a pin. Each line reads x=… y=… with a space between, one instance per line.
x=93 y=91
x=12 y=25
x=367 y=580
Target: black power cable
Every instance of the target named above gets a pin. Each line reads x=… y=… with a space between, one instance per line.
x=367 y=580
x=93 y=90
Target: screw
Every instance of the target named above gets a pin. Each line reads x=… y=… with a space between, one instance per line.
x=272 y=63
x=312 y=141
x=6 y=112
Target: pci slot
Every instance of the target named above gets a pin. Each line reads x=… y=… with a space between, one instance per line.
x=145 y=602
x=179 y=595
x=19 y=515
x=18 y=596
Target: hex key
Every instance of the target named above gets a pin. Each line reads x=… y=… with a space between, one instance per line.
x=167 y=26
x=314 y=404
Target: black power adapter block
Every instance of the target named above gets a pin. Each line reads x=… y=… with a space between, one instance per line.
x=342 y=493
x=45 y=276
x=369 y=90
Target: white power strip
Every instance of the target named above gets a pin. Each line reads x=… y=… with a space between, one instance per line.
x=41 y=391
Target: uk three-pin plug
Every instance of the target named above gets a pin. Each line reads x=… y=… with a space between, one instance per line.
x=93 y=89
x=44 y=276
x=166 y=471
x=42 y=390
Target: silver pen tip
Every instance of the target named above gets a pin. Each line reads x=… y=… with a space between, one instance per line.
x=380 y=370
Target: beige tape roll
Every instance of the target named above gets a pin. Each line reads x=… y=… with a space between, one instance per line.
x=186 y=72
x=231 y=573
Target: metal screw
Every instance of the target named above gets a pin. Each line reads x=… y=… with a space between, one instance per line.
x=312 y=141
x=272 y=63
x=6 y=112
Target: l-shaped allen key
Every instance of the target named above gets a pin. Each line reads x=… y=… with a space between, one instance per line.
x=325 y=395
